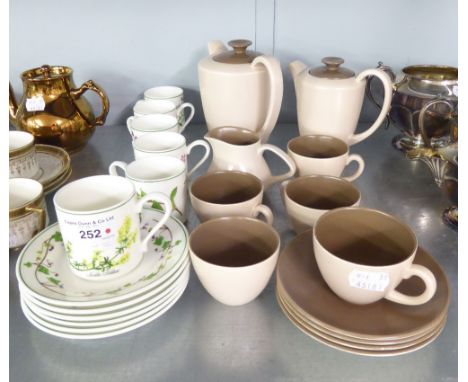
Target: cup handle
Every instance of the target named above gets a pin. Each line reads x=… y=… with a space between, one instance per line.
x=361 y=165
x=265 y=211
x=117 y=164
x=180 y=110
x=198 y=142
x=42 y=216
x=285 y=157
x=388 y=92
x=426 y=276
x=163 y=199
x=129 y=124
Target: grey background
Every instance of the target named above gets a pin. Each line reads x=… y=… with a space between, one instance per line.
x=129 y=46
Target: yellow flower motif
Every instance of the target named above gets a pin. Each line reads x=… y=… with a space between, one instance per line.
x=124 y=258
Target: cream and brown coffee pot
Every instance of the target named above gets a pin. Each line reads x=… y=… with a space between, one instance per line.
x=240 y=88
x=330 y=98
x=53 y=109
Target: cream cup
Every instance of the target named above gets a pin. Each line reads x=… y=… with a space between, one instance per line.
x=323 y=155
x=168 y=143
x=22 y=155
x=100 y=225
x=228 y=193
x=308 y=197
x=364 y=254
x=138 y=126
x=145 y=107
x=28 y=212
x=162 y=174
x=234 y=257
x=169 y=93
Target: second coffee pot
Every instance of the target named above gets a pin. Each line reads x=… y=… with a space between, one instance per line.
x=240 y=87
x=330 y=98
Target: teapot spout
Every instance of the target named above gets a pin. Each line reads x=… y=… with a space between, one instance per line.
x=296 y=67
x=216 y=47
x=13 y=106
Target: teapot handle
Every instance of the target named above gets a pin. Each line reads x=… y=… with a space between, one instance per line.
x=275 y=78
x=388 y=92
x=387 y=69
x=285 y=157
x=90 y=85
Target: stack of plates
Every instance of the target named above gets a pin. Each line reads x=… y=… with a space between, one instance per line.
x=54 y=166
x=383 y=328
x=57 y=302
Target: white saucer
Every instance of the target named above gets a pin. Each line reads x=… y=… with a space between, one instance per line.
x=48 y=314
x=120 y=321
x=105 y=333
x=43 y=271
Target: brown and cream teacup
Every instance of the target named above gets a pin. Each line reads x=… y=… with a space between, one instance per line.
x=234 y=257
x=28 y=213
x=228 y=193
x=363 y=254
x=323 y=155
x=308 y=197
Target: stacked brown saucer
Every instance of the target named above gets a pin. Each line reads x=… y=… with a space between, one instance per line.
x=383 y=328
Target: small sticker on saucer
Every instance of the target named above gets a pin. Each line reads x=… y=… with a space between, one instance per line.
x=373 y=281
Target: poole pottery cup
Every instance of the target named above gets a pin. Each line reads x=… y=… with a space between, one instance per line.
x=234 y=257
x=22 y=155
x=138 y=126
x=28 y=213
x=162 y=174
x=168 y=143
x=100 y=225
x=309 y=197
x=145 y=107
x=363 y=255
x=228 y=193
x=323 y=155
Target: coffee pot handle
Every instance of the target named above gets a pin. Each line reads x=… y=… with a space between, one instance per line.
x=430 y=283
x=91 y=85
x=422 y=114
x=275 y=78
x=388 y=93
x=289 y=162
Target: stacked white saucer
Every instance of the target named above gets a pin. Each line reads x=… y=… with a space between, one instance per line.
x=57 y=302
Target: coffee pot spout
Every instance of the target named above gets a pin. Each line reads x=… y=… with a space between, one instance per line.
x=296 y=67
x=13 y=106
x=216 y=47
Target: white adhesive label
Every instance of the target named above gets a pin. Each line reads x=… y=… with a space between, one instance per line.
x=35 y=104
x=375 y=281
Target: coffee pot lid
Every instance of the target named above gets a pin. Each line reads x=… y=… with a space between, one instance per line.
x=332 y=69
x=239 y=54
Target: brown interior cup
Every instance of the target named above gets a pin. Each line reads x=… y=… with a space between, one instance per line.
x=318 y=146
x=365 y=236
x=226 y=187
x=322 y=192
x=234 y=241
x=234 y=135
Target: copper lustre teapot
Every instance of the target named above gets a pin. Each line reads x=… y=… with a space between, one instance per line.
x=53 y=110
